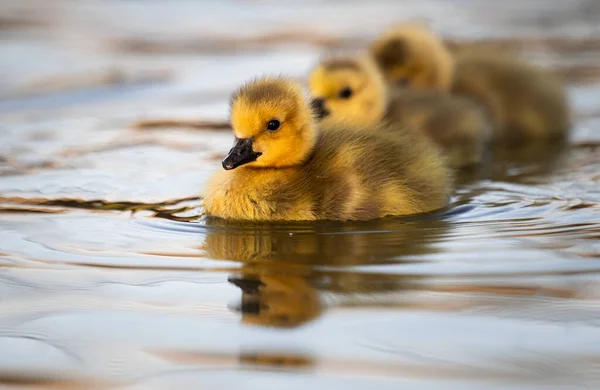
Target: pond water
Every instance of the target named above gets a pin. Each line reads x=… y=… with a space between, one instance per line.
x=111 y=277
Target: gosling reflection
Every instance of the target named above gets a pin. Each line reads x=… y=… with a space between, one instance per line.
x=324 y=244
x=522 y=163
x=286 y=268
x=288 y=360
x=277 y=301
x=518 y=163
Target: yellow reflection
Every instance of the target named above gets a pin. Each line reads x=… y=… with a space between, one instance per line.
x=286 y=267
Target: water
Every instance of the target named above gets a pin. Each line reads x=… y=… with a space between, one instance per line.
x=111 y=277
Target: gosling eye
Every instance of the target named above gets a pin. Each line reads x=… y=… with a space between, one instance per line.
x=345 y=93
x=403 y=82
x=273 y=125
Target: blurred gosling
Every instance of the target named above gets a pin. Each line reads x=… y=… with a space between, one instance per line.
x=524 y=102
x=351 y=89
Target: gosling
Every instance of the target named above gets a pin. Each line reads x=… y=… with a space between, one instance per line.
x=283 y=167
x=352 y=89
x=524 y=102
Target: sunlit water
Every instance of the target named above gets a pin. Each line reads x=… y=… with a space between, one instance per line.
x=111 y=277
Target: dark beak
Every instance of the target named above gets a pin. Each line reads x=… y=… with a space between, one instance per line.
x=403 y=83
x=252 y=308
x=318 y=107
x=249 y=286
x=240 y=154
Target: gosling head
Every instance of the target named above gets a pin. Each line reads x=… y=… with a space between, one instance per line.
x=413 y=56
x=348 y=89
x=272 y=123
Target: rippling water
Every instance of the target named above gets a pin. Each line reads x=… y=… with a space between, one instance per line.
x=111 y=277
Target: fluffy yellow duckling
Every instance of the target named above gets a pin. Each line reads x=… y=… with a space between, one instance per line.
x=282 y=167
x=524 y=102
x=353 y=90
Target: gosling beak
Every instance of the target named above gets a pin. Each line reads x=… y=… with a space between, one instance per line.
x=249 y=286
x=318 y=107
x=240 y=154
x=403 y=82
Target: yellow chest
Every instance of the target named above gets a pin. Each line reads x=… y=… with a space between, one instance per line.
x=257 y=196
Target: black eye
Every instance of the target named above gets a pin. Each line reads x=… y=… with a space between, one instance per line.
x=345 y=93
x=273 y=125
x=403 y=82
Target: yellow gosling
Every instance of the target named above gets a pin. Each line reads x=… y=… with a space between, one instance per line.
x=283 y=167
x=351 y=89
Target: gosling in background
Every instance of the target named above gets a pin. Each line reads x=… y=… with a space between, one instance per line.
x=285 y=167
x=352 y=89
x=523 y=101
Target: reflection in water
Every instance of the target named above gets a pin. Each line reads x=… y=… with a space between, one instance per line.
x=324 y=243
x=518 y=163
x=529 y=161
x=278 y=301
x=283 y=275
x=286 y=360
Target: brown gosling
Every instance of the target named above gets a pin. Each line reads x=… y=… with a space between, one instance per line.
x=284 y=167
x=524 y=102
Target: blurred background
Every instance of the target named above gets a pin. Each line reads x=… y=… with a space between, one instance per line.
x=90 y=69
x=113 y=113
